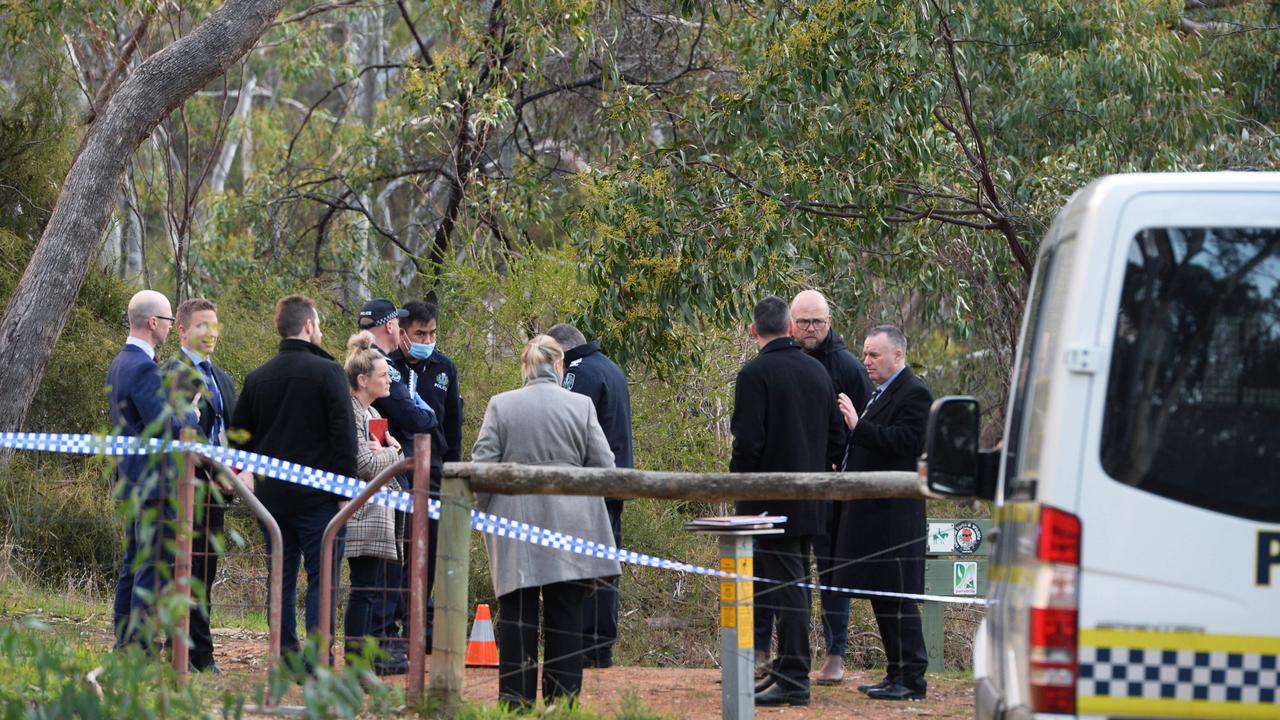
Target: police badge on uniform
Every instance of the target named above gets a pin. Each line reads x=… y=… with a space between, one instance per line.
x=568 y=381
x=442 y=382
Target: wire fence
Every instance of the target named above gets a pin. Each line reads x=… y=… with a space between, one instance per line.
x=64 y=536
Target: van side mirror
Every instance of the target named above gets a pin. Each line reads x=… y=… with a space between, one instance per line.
x=950 y=462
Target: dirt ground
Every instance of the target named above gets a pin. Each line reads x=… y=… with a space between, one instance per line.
x=692 y=694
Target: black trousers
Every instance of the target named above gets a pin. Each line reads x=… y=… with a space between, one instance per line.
x=785 y=560
x=600 y=612
x=404 y=523
x=371 y=605
x=204 y=567
x=903 y=638
x=517 y=636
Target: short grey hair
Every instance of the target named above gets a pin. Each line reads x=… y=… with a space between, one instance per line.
x=567 y=335
x=894 y=333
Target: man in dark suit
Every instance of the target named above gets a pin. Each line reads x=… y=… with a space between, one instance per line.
x=215 y=397
x=297 y=407
x=587 y=371
x=882 y=542
x=785 y=419
x=137 y=402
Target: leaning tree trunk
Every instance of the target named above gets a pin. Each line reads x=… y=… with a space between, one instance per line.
x=42 y=301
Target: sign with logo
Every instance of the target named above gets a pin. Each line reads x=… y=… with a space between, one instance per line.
x=965 y=578
x=968 y=537
x=942 y=538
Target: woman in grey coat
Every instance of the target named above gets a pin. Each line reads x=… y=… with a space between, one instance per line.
x=543 y=424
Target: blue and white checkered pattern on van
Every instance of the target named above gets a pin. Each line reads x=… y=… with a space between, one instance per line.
x=1155 y=674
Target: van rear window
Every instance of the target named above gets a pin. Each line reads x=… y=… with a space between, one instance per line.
x=1193 y=401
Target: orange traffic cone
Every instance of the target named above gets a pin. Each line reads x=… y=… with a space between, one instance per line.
x=482 y=651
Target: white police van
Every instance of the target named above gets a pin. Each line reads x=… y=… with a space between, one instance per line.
x=1136 y=572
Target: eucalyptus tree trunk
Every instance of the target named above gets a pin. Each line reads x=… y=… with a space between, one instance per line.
x=43 y=299
x=236 y=136
x=368 y=49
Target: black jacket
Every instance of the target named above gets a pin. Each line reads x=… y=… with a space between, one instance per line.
x=785 y=419
x=886 y=537
x=436 y=381
x=587 y=371
x=404 y=418
x=297 y=407
x=846 y=371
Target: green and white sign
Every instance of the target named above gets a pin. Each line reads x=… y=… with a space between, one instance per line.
x=965 y=578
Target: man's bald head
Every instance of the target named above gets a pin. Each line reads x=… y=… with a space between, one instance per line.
x=146 y=304
x=150 y=317
x=811 y=318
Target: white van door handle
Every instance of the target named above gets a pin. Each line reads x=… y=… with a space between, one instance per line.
x=1084 y=359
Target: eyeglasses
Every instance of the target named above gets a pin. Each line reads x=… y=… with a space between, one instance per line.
x=165 y=317
x=811 y=324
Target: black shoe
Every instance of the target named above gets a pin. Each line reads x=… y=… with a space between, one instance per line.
x=876 y=686
x=394 y=665
x=211 y=668
x=896 y=691
x=766 y=683
x=777 y=695
x=601 y=662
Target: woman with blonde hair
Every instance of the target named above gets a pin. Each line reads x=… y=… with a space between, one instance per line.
x=543 y=424
x=371 y=545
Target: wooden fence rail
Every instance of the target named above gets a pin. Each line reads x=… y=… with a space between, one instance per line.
x=461 y=480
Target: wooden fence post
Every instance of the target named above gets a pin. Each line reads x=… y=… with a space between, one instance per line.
x=453 y=555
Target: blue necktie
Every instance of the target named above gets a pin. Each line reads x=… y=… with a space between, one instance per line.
x=215 y=400
x=874 y=394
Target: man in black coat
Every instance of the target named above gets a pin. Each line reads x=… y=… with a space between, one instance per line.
x=881 y=543
x=785 y=419
x=811 y=318
x=297 y=407
x=198 y=334
x=587 y=371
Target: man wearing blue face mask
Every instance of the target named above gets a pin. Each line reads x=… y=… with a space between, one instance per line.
x=407 y=415
x=432 y=379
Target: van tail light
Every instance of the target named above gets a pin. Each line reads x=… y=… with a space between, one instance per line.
x=1054 y=613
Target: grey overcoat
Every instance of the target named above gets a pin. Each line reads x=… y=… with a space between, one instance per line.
x=544 y=424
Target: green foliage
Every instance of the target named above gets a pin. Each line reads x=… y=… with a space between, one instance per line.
x=35 y=146
x=42 y=675
x=847 y=152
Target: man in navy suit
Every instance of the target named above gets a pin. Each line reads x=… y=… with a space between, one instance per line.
x=210 y=388
x=138 y=409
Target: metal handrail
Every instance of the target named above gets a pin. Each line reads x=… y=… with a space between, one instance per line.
x=275 y=575
x=330 y=538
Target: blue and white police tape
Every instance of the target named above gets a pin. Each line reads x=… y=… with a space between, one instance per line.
x=84 y=444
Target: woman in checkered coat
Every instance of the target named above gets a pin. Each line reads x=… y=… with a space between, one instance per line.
x=371 y=546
